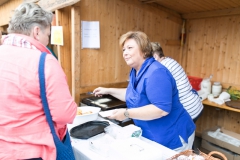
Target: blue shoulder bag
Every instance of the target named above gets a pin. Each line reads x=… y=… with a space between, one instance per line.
x=64 y=148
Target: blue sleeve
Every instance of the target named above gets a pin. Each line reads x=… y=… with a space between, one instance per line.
x=159 y=89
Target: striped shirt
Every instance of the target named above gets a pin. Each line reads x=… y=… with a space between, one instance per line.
x=190 y=100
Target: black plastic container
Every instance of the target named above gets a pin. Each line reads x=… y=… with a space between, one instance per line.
x=110 y=102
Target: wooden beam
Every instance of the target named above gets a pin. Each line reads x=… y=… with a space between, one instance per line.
x=182 y=43
x=75 y=47
x=58 y=14
x=73 y=52
x=216 y=13
x=56 y=4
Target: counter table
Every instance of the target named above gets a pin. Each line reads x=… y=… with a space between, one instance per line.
x=82 y=150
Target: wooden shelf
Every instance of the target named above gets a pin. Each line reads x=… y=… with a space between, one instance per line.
x=207 y=102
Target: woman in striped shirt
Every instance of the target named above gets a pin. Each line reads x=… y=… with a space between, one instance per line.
x=187 y=95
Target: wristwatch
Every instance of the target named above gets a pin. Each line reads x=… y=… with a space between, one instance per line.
x=126 y=114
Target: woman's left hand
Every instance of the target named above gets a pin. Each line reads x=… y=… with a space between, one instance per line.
x=118 y=114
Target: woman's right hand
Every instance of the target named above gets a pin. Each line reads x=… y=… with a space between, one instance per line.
x=100 y=91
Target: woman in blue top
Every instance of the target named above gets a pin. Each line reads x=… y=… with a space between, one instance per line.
x=151 y=96
x=187 y=95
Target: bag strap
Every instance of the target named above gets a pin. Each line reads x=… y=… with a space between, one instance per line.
x=41 y=75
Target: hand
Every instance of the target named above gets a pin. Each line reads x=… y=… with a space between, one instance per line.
x=100 y=91
x=118 y=114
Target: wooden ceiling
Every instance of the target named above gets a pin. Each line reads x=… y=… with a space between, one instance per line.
x=190 y=9
x=3 y=1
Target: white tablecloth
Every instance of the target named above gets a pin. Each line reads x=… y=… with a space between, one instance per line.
x=82 y=150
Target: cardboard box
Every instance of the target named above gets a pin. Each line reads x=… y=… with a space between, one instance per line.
x=212 y=147
x=221 y=143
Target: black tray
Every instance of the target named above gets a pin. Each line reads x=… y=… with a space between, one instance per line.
x=88 y=129
x=233 y=104
x=112 y=104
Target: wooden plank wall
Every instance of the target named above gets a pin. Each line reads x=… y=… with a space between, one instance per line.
x=218 y=117
x=6 y=11
x=105 y=66
x=213 y=48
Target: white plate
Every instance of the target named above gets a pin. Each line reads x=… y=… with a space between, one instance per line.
x=80 y=119
x=106 y=113
x=85 y=109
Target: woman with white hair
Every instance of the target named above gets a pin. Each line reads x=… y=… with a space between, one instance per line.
x=24 y=131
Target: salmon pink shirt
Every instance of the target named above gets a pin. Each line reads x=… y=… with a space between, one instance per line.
x=24 y=131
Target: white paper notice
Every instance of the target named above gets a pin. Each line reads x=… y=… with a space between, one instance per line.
x=90 y=34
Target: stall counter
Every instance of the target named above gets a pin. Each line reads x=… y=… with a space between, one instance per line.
x=82 y=150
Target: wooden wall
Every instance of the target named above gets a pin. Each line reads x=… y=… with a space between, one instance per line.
x=6 y=11
x=105 y=66
x=213 y=116
x=213 y=48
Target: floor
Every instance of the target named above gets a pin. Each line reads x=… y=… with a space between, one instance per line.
x=197 y=147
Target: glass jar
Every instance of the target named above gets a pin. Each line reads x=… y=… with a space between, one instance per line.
x=216 y=89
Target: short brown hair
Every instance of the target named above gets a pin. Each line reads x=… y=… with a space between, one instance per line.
x=141 y=39
x=157 y=49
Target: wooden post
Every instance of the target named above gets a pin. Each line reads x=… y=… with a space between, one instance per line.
x=182 y=42
x=75 y=47
x=58 y=14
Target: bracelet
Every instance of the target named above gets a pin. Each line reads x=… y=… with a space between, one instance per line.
x=126 y=114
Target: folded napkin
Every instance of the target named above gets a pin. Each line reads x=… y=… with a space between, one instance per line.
x=223 y=97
